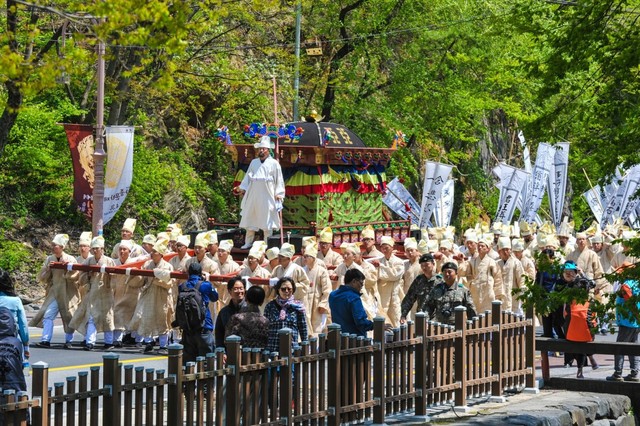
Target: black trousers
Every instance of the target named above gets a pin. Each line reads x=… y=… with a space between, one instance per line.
x=196 y=344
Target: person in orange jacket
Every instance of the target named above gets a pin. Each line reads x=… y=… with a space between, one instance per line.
x=577 y=316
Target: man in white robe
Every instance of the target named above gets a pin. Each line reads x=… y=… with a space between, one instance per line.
x=263 y=190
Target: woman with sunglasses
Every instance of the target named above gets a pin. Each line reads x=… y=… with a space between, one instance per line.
x=285 y=312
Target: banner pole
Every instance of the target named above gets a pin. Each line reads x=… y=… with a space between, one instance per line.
x=275 y=121
x=402 y=201
x=99 y=154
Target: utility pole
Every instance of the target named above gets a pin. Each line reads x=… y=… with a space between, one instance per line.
x=296 y=81
x=98 y=153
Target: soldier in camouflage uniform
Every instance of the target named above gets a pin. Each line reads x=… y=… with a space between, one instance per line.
x=420 y=287
x=446 y=296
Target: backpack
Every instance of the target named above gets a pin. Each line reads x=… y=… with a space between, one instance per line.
x=190 y=310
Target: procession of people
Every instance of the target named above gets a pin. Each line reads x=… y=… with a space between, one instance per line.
x=392 y=279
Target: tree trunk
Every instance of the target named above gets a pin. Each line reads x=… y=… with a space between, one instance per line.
x=10 y=113
x=14 y=94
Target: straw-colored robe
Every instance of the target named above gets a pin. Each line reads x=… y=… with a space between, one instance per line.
x=390 y=285
x=62 y=286
x=485 y=283
x=155 y=308
x=98 y=300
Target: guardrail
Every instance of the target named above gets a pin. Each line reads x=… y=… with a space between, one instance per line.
x=546 y=345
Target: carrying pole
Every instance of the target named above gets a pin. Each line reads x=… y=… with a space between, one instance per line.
x=275 y=121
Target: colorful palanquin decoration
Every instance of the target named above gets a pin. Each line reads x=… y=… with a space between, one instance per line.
x=331 y=177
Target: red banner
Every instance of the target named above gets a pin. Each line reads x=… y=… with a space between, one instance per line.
x=80 y=137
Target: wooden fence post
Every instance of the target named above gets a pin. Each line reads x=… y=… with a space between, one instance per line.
x=530 y=354
x=333 y=373
x=460 y=361
x=175 y=405
x=285 y=338
x=40 y=391
x=496 y=352
x=421 y=367
x=232 y=346
x=22 y=397
x=379 y=338
x=111 y=382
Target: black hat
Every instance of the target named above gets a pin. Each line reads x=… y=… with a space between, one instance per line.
x=195 y=269
x=427 y=257
x=450 y=265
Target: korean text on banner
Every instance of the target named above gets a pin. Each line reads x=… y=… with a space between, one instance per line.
x=557 y=181
x=435 y=177
x=592 y=196
x=119 y=168
x=537 y=182
x=444 y=207
x=623 y=204
x=398 y=199
x=515 y=181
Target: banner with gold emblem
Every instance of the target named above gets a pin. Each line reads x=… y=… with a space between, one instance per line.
x=80 y=138
x=119 y=169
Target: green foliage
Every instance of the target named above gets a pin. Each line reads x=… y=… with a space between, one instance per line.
x=439 y=70
x=37 y=175
x=12 y=255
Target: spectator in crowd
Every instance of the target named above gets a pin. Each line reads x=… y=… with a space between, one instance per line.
x=250 y=325
x=627 y=309
x=199 y=342
x=11 y=357
x=10 y=300
x=547 y=278
x=236 y=289
x=285 y=312
x=347 y=308
x=578 y=320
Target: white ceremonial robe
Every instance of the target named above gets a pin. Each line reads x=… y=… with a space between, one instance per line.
x=262 y=183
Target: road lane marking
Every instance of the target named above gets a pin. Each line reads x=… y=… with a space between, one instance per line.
x=99 y=364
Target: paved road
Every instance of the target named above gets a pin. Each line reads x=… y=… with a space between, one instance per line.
x=605 y=363
x=64 y=363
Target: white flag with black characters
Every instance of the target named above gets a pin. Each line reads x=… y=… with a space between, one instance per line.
x=557 y=181
x=435 y=177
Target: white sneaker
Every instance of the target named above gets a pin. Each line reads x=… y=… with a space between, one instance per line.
x=246 y=246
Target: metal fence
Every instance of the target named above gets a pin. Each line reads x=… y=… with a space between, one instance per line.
x=333 y=379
